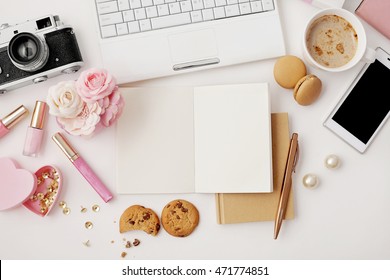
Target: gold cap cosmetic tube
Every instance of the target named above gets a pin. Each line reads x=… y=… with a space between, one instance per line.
x=38 y=117
x=14 y=117
x=71 y=154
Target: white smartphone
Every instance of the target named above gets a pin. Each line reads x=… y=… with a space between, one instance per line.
x=364 y=108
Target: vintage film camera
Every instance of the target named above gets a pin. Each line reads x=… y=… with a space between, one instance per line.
x=33 y=51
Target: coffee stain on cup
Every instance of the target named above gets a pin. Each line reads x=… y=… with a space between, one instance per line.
x=332 y=41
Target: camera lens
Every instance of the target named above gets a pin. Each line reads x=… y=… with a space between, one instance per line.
x=28 y=52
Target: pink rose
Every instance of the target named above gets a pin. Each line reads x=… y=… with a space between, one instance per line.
x=95 y=84
x=114 y=109
x=104 y=103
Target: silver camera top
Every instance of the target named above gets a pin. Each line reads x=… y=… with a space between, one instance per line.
x=25 y=42
x=36 y=26
x=35 y=50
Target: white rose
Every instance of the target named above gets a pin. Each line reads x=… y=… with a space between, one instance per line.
x=64 y=100
x=85 y=123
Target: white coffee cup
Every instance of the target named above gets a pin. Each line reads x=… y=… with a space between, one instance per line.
x=324 y=51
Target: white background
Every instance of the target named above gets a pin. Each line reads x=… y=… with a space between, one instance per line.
x=346 y=217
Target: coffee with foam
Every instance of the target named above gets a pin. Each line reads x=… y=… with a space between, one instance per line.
x=332 y=41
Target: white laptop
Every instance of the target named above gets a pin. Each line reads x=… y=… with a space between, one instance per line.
x=143 y=39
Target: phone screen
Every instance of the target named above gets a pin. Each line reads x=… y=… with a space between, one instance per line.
x=367 y=104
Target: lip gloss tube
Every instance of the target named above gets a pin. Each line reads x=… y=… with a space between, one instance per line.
x=82 y=167
x=34 y=135
x=11 y=119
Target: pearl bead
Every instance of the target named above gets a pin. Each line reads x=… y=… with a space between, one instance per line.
x=310 y=181
x=332 y=162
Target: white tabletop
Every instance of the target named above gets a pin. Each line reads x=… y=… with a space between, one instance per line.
x=346 y=217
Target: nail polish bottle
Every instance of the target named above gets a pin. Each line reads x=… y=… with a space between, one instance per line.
x=35 y=132
x=11 y=119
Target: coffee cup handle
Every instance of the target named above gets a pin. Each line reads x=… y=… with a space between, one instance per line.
x=369 y=55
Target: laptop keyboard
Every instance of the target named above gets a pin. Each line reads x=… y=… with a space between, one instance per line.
x=122 y=17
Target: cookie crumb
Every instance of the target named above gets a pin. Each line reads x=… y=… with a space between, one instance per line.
x=112 y=241
x=128 y=244
x=86 y=243
x=123 y=254
x=136 y=242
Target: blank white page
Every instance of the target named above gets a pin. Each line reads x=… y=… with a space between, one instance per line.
x=155 y=149
x=233 y=150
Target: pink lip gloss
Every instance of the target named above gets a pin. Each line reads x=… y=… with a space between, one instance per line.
x=11 y=119
x=35 y=132
x=82 y=167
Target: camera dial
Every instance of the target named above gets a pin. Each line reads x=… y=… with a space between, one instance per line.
x=71 y=70
x=28 y=52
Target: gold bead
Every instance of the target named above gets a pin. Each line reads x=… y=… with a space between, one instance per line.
x=66 y=211
x=88 y=225
x=95 y=208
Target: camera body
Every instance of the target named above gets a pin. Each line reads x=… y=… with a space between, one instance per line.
x=33 y=51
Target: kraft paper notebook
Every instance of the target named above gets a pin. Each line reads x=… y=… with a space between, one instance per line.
x=376 y=13
x=205 y=139
x=246 y=207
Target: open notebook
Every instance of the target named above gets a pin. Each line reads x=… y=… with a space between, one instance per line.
x=208 y=139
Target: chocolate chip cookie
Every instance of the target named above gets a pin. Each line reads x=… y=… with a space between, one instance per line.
x=137 y=217
x=179 y=218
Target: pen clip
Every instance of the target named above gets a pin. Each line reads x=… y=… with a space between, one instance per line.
x=296 y=158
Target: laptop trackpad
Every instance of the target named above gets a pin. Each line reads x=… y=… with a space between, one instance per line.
x=193 y=46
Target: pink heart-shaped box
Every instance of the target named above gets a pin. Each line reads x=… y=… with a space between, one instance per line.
x=16 y=184
x=37 y=192
x=49 y=184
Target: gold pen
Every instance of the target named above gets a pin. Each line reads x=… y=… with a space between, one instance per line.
x=292 y=158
